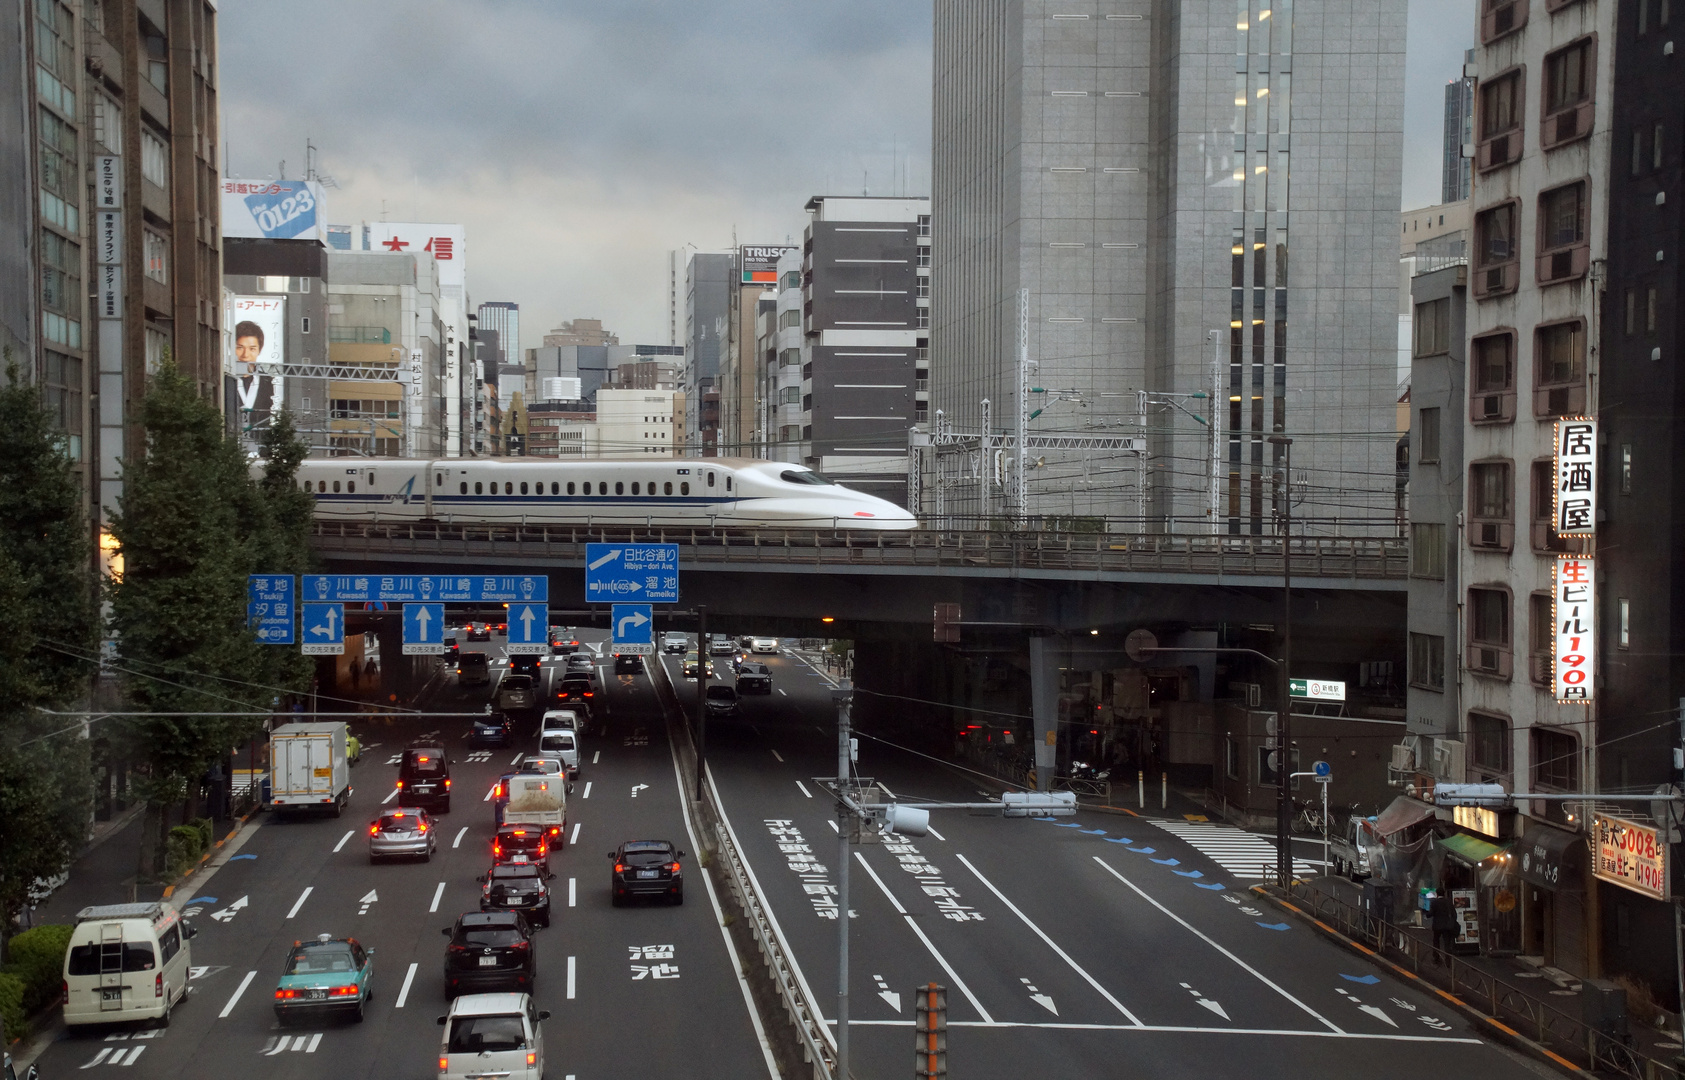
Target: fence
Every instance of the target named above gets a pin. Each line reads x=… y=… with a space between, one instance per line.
x=1529 y=1016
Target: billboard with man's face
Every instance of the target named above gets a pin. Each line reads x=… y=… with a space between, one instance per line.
x=258 y=344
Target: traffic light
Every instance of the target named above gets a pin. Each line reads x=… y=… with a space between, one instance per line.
x=906 y=820
x=947 y=619
x=1038 y=804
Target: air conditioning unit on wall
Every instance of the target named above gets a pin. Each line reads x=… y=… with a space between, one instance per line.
x=1448 y=760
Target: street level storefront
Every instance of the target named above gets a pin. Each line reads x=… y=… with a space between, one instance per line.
x=1480 y=878
x=1633 y=874
x=1551 y=865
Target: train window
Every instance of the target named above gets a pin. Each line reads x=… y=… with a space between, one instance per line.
x=307 y=485
x=476 y=487
x=684 y=487
x=336 y=487
x=439 y=479
x=667 y=488
x=710 y=479
x=523 y=487
x=555 y=488
x=465 y=487
x=619 y=488
x=587 y=487
x=634 y=487
x=570 y=487
x=728 y=483
x=508 y=487
x=795 y=476
x=321 y=485
x=651 y=488
x=351 y=485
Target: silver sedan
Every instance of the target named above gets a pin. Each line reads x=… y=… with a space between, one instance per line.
x=403 y=832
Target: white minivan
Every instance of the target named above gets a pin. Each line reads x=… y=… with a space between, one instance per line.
x=492 y=1035
x=126 y=962
x=560 y=742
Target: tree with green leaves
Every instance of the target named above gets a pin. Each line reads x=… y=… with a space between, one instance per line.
x=277 y=525
x=47 y=653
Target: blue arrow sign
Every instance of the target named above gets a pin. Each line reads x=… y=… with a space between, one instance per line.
x=1323 y=770
x=632 y=629
x=427 y=588
x=646 y=572
x=324 y=630
x=529 y=630
x=269 y=607
x=424 y=629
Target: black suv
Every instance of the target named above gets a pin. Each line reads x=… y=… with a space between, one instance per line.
x=424 y=777
x=528 y=842
x=628 y=663
x=647 y=868
x=516 y=887
x=489 y=950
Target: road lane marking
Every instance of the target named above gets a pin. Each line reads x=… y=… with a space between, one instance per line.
x=344 y=840
x=936 y=834
x=803 y=786
x=489 y=793
x=390 y=797
x=459 y=835
x=574 y=839
x=516 y=760
x=573 y=892
x=587 y=794
x=595 y=756
x=315 y=1041
x=953 y=976
x=101 y=1056
x=438 y=894
x=238 y=990
x=571 y=962
x=1260 y=976
x=1061 y=953
x=302 y=897
x=404 y=993
x=833 y=826
x=1058 y=1026
x=781 y=691
x=779 y=756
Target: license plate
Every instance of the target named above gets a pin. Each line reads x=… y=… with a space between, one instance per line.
x=488 y=961
x=315 y=995
x=113 y=994
x=648 y=873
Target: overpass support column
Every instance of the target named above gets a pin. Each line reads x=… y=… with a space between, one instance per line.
x=1044 y=707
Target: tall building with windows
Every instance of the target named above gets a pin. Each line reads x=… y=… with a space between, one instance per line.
x=505 y=318
x=1456 y=166
x=707 y=315
x=1197 y=203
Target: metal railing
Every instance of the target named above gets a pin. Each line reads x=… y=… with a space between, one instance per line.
x=1559 y=1032
x=834 y=544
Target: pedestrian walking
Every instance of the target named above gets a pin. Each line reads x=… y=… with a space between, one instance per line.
x=1443 y=918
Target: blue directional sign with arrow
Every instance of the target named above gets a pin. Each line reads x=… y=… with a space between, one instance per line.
x=424 y=629
x=647 y=572
x=324 y=630
x=632 y=630
x=269 y=607
x=529 y=630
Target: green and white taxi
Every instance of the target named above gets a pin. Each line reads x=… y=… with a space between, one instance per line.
x=328 y=975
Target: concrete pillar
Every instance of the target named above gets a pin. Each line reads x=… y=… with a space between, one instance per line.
x=1044 y=707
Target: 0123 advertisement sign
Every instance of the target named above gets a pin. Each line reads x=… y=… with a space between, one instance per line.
x=273 y=210
x=1630 y=855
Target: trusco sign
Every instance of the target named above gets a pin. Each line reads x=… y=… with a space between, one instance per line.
x=1630 y=855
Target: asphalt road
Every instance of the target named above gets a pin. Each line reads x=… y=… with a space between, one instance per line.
x=1098 y=945
x=612 y=1011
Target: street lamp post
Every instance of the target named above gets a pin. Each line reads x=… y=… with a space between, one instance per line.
x=1284 y=721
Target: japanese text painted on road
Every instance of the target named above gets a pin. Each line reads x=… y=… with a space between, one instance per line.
x=426 y=588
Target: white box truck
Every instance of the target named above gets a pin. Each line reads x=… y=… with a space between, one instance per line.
x=539 y=799
x=308 y=767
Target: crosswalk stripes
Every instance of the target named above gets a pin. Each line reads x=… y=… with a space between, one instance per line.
x=1241 y=854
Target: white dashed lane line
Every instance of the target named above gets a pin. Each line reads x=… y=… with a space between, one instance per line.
x=779 y=756
x=587 y=794
x=803 y=786
x=574 y=839
x=459 y=835
x=404 y=994
x=438 y=894
x=344 y=840
x=238 y=990
x=302 y=897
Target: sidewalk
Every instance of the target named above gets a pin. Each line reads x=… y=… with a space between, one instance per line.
x=102 y=874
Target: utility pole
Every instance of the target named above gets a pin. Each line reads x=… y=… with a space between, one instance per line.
x=701 y=695
x=1284 y=724
x=1141 y=461
x=1215 y=432
x=984 y=467
x=1020 y=478
x=844 y=696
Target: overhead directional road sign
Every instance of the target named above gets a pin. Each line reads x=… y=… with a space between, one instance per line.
x=424 y=629
x=429 y=588
x=646 y=572
x=632 y=628
x=529 y=630
x=324 y=630
x=269 y=607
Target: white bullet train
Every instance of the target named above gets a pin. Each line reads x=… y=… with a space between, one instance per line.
x=706 y=492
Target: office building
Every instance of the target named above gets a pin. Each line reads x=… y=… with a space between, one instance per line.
x=384 y=311
x=451 y=396
x=638 y=423
x=753 y=293
x=504 y=318
x=1456 y=167
x=707 y=319
x=587 y=332
x=1098 y=160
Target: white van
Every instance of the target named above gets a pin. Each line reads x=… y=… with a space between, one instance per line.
x=492 y=1035
x=126 y=962
x=560 y=742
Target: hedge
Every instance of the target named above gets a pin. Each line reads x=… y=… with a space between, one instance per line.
x=11 y=1007
x=185 y=845
x=37 y=962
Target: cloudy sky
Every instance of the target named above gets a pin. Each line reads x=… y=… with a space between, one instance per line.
x=579 y=142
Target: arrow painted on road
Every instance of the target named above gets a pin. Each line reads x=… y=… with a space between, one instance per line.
x=1214 y=1007
x=1379 y=1014
x=1167 y=862
x=1186 y=873
x=637 y=788
x=1044 y=1000
x=327 y=631
x=1367 y=980
x=891 y=998
x=366 y=901
x=637 y=618
x=605 y=560
x=237 y=858
x=1214 y=885
x=1095 y=832
x=422 y=618
x=1119 y=840
x=1143 y=850
x=230 y=911
x=1274 y=926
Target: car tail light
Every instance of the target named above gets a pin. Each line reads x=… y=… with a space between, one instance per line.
x=400 y=785
x=158 y=985
x=343 y=991
x=532 y=1058
x=620 y=868
x=674 y=868
x=521 y=945
x=497 y=849
x=497 y=792
x=444 y=1063
x=65 y=997
x=447 y=783
x=543 y=850
x=374 y=830
x=520 y=832
x=555 y=830
x=422 y=827
x=283 y=995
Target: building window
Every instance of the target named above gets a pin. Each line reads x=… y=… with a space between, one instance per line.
x=1623 y=623
x=1489 y=631
x=1491 y=507
x=1556 y=758
x=1626 y=468
x=1496 y=253
x=154 y=158
x=1427 y=661
x=1500 y=120
x=790 y=317
x=792 y=279
x=1559 y=369
x=1433 y=327
x=1489 y=748
x=108 y=123
x=156 y=253
x=1427 y=435
x=1501 y=17
x=1564 y=252
x=1541 y=638
x=924 y=224
x=923 y=320
x=1542 y=509
x=1631 y=324
x=1427 y=549
x=1492 y=379
x=1569 y=76
x=1656 y=148
x=1650 y=310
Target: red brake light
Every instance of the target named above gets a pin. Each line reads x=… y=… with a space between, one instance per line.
x=424 y=759
x=374 y=830
x=343 y=991
x=447 y=783
x=400 y=785
x=619 y=868
x=65 y=998
x=497 y=849
x=674 y=868
x=423 y=826
x=555 y=830
x=520 y=832
x=158 y=985
x=444 y=1063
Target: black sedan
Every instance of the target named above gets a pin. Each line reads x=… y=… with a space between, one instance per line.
x=516 y=887
x=479 y=631
x=647 y=868
x=754 y=679
x=489 y=950
x=722 y=702
x=492 y=729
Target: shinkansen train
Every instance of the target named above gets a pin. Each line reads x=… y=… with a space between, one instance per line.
x=708 y=492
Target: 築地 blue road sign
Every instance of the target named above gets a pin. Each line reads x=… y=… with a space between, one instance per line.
x=529 y=630
x=424 y=629
x=426 y=588
x=269 y=607
x=646 y=572
x=632 y=629
x=323 y=630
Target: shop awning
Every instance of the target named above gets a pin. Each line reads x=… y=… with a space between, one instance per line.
x=1402 y=813
x=1470 y=849
x=1553 y=859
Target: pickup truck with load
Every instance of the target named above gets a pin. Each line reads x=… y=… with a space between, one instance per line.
x=536 y=799
x=310 y=768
